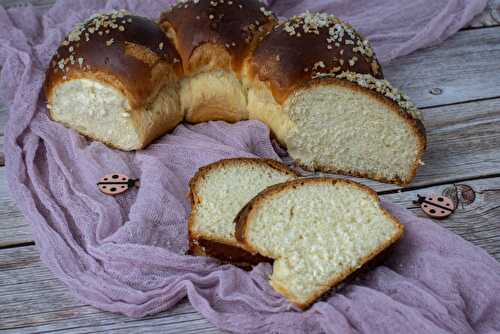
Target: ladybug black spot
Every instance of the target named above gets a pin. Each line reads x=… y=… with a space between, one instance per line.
x=123 y=187
x=443 y=212
x=425 y=205
x=447 y=204
x=433 y=211
x=113 y=189
x=124 y=179
x=115 y=176
x=104 y=187
x=105 y=179
x=440 y=199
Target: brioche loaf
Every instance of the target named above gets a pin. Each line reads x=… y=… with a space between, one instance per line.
x=312 y=79
x=218 y=192
x=317 y=230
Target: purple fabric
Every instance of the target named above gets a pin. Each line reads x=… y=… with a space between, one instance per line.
x=125 y=254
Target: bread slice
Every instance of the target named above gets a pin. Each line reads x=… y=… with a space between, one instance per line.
x=318 y=231
x=218 y=192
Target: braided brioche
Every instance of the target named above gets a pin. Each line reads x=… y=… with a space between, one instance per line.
x=312 y=79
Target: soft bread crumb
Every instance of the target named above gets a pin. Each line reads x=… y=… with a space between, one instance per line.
x=101 y=112
x=318 y=231
x=224 y=189
x=338 y=128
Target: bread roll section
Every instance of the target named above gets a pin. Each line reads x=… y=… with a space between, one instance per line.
x=318 y=85
x=214 y=38
x=124 y=80
x=115 y=79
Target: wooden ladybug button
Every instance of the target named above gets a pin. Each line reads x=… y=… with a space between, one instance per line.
x=114 y=184
x=436 y=206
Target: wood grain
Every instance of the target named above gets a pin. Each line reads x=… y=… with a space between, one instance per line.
x=34 y=301
x=463 y=68
x=477 y=218
x=2 y=157
x=3 y=123
x=13 y=228
x=36 y=3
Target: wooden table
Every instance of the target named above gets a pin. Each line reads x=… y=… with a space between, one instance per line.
x=457 y=86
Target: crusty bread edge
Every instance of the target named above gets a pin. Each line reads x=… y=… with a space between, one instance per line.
x=227 y=254
x=414 y=124
x=243 y=220
x=194 y=238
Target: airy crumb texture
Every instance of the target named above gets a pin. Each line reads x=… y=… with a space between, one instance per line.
x=340 y=127
x=318 y=231
x=220 y=190
x=102 y=112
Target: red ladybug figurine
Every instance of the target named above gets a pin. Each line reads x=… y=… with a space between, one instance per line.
x=436 y=206
x=114 y=184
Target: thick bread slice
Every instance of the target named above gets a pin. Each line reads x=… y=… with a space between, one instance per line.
x=318 y=231
x=218 y=192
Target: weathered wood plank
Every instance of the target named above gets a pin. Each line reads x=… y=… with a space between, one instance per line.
x=477 y=218
x=13 y=228
x=4 y=115
x=464 y=143
x=464 y=67
x=489 y=17
x=3 y=122
x=34 y=301
x=2 y=157
x=37 y=3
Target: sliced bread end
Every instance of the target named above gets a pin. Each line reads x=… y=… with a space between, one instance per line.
x=318 y=231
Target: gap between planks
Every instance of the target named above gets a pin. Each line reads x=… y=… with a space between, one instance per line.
x=34 y=301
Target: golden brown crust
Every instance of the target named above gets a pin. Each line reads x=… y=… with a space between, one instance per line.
x=246 y=214
x=297 y=49
x=128 y=52
x=234 y=27
x=211 y=246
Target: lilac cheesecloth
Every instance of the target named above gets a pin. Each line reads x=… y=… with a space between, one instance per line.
x=125 y=254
